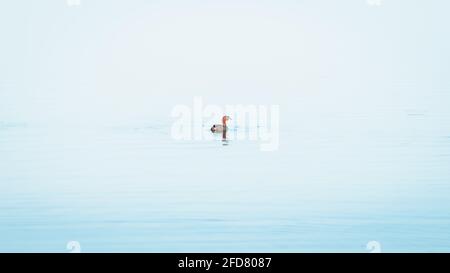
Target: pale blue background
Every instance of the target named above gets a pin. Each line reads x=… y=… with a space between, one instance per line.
x=85 y=151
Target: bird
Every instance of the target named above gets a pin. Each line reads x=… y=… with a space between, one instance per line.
x=218 y=128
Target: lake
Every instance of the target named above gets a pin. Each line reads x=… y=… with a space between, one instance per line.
x=336 y=183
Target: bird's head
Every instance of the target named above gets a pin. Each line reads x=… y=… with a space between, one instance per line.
x=225 y=119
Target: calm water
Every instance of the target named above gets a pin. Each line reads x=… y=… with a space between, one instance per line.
x=334 y=185
x=86 y=155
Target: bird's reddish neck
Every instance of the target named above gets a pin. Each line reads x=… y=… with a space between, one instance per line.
x=224 y=121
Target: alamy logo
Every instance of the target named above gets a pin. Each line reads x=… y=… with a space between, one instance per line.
x=234 y=122
x=74 y=246
x=374 y=2
x=72 y=3
x=373 y=247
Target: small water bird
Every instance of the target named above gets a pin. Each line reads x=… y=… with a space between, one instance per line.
x=218 y=128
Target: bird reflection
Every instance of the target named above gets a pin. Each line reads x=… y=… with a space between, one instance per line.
x=225 y=141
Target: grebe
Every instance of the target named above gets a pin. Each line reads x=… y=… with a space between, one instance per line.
x=218 y=128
